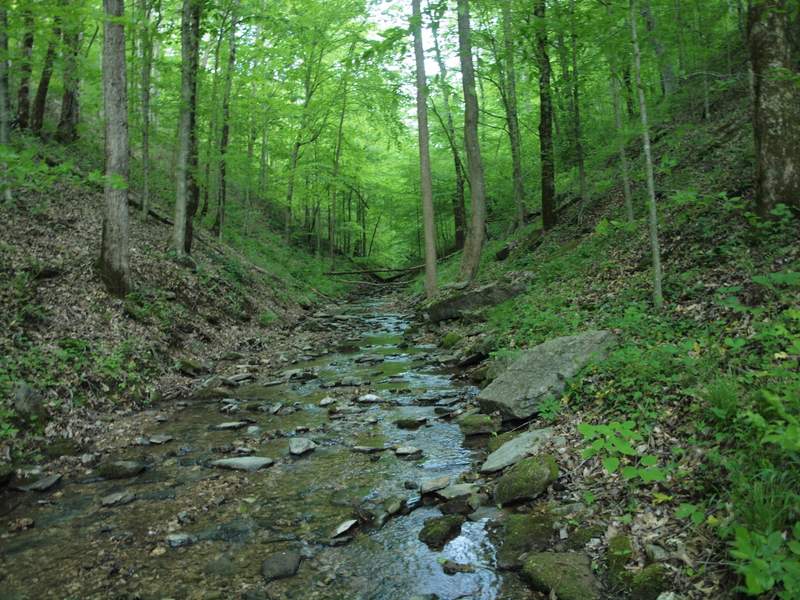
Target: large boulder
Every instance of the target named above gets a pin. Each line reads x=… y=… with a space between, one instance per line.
x=569 y=576
x=543 y=372
x=514 y=450
x=454 y=306
x=437 y=531
x=526 y=480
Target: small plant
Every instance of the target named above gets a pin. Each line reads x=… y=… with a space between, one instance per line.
x=549 y=409
x=767 y=561
x=266 y=318
x=613 y=443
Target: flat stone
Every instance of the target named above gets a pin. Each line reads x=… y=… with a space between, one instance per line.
x=280 y=565
x=327 y=401
x=513 y=451
x=369 y=399
x=431 y=485
x=299 y=445
x=120 y=469
x=407 y=451
x=230 y=426
x=243 y=463
x=478 y=424
x=160 y=439
x=344 y=527
x=457 y=490
x=368 y=449
x=41 y=485
x=543 y=372
x=178 y=540
x=568 y=576
x=411 y=423
x=437 y=531
x=118 y=499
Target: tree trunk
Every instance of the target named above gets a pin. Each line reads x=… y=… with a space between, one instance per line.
x=7 y=197
x=193 y=185
x=512 y=117
x=658 y=299
x=776 y=106
x=576 y=108
x=474 y=244
x=545 y=119
x=183 y=173
x=426 y=183
x=147 y=70
x=114 y=254
x=263 y=171
x=459 y=208
x=623 y=158
x=630 y=101
x=25 y=69
x=668 y=79
x=67 y=131
x=219 y=224
x=212 y=127
x=40 y=100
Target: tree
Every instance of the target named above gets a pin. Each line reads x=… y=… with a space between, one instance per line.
x=576 y=107
x=7 y=197
x=25 y=70
x=426 y=185
x=512 y=116
x=67 y=131
x=546 y=152
x=474 y=242
x=658 y=298
x=114 y=252
x=776 y=106
x=190 y=29
x=149 y=28
x=40 y=100
x=459 y=209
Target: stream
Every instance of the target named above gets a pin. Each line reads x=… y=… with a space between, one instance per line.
x=184 y=529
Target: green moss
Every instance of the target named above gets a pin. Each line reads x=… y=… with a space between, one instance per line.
x=568 y=575
x=451 y=339
x=526 y=480
x=437 y=531
x=478 y=424
x=650 y=582
x=619 y=553
x=522 y=533
x=498 y=440
x=581 y=536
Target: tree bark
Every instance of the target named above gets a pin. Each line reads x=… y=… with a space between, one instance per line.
x=25 y=69
x=114 y=254
x=40 y=100
x=219 y=224
x=474 y=243
x=189 y=51
x=459 y=208
x=426 y=183
x=546 y=152
x=776 y=106
x=147 y=71
x=4 y=111
x=67 y=131
x=212 y=127
x=512 y=117
x=576 y=107
x=193 y=185
x=658 y=299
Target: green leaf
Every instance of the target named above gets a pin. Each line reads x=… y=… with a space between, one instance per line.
x=649 y=461
x=611 y=464
x=652 y=474
x=630 y=472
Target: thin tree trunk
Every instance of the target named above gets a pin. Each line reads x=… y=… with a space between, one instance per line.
x=668 y=79
x=263 y=175
x=193 y=186
x=219 y=224
x=147 y=70
x=630 y=100
x=776 y=106
x=212 y=127
x=658 y=298
x=459 y=208
x=623 y=158
x=474 y=244
x=426 y=183
x=67 y=131
x=546 y=152
x=512 y=117
x=576 y=107
x=189 y=50
x=7 y=196
x=114 y=254
x=40 y=100
x=25 y=69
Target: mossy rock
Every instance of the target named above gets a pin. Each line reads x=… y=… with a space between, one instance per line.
x=498 y=440
x=522 y=533
x=120 y=469
x=526 y=480
x=451 y=339
x=619 y=554
x=581 y=536
x=650 y=582
x=191 y=367
x=478 y=424
x=569 y=575
x=437 y=531
x=61 y=447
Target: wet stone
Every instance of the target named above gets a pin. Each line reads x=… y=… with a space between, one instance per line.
x=230 y=426
x=244 y=463
x=299 y=446
x=280 y=565
x=431 y=485
x=120 y=469
x=179 y=540
x=437 y=531
x=117 y=499
x=41 y=485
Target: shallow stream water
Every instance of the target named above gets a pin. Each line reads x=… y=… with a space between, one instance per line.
x=79 y=549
